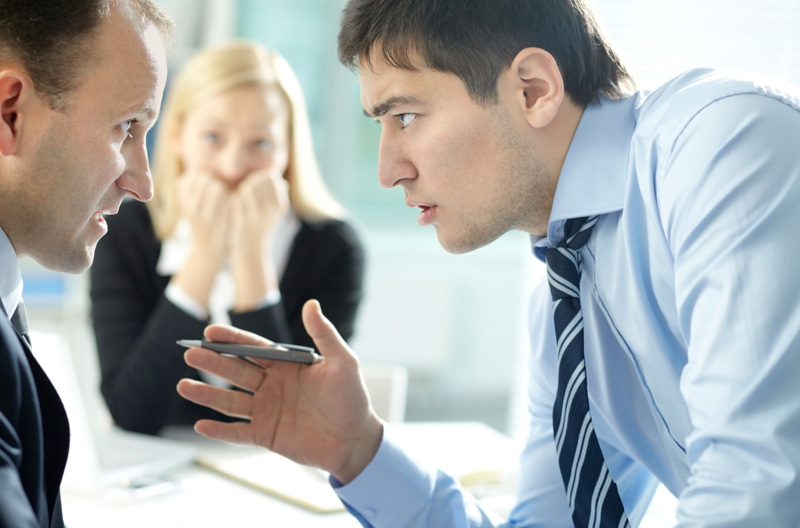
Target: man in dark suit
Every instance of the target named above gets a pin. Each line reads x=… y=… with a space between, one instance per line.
x=80 y=84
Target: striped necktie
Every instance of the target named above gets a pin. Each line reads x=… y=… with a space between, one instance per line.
x=19 y=321
x=591 y=493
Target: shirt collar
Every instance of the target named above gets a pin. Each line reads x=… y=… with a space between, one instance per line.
x=593 y=177
x=10 y=276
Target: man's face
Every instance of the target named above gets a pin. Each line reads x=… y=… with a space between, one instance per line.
x=83 y=161
x=471 y=170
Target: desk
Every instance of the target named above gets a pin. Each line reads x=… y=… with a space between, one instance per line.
x=203 y=498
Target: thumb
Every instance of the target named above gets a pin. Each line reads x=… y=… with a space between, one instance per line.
x=326 y=338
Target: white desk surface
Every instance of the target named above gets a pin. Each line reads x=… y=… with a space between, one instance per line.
x=203 y=498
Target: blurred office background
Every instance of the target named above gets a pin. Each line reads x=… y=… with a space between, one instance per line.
x=456 y=322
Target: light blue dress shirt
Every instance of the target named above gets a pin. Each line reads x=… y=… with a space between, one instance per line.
x=691 y=301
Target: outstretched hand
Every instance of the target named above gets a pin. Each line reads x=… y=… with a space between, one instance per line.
x=318 y=415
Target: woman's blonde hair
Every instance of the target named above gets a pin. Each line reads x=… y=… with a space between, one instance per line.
x=213 y=71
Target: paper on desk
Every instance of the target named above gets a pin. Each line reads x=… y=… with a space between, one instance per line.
x=276 y=475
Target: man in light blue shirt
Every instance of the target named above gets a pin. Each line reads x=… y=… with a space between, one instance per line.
x=689 y=285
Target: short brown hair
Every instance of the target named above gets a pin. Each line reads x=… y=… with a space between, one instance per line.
x=49 y=38
x=477 y=39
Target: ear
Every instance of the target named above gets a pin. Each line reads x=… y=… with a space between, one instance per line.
x=538 y=84
x=13 y=88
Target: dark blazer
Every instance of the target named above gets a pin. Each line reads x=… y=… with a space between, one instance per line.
x=136 y=326
x=34 y=437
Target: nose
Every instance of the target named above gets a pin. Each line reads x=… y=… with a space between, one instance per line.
x=393 y=166
x=136 y=180
x=233 y=164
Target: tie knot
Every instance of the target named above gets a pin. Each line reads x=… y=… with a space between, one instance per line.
x=577 y=232
x=564 y=259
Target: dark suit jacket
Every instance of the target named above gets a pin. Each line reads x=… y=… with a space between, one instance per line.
x=136 y=326
x=34 y=438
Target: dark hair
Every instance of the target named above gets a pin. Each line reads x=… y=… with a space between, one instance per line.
x=477 y=39
x=49 y=38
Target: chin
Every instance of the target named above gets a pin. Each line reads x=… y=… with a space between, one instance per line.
x=466 y=241
x=68 y=261
x=459 y=246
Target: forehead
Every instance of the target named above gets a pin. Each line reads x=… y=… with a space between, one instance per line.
x=384 y=85
x=248 y=105
x=126 y=70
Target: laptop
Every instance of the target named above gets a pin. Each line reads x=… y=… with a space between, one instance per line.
x=104 y=458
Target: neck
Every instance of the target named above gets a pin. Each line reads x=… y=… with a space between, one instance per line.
x=552 y=144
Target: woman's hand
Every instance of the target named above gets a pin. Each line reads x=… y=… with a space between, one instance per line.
x=257 y=205
x=205 y=202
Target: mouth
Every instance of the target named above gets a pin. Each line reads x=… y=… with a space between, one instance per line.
x=426 y=211
x=99 y=216
x=114 y=209
x=411 y=203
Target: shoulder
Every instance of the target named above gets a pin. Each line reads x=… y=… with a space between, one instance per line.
x=665 y=112
x=339 y=232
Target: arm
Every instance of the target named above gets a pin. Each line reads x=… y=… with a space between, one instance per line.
x=327 y=264
x=728 y=201
x=15 y=507
x=291 y=412
x=397 y=490
x=136 y=326
x=22 y=496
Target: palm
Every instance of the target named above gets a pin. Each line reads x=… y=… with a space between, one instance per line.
x=318 y=414
x=295 y=415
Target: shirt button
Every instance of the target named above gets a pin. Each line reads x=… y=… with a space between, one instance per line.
x=370 y=512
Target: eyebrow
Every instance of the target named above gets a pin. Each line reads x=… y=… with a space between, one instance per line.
x=390 y=103
x=145 y=112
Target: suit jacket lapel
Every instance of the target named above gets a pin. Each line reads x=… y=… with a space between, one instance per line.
x=55 y=427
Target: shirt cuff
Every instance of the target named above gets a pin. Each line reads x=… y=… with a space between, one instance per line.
x=177 y=296
x=391 y=490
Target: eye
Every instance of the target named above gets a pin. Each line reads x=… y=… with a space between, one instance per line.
x=211 y=137
x=126 y=126
x=406 y=118
x=263 y=144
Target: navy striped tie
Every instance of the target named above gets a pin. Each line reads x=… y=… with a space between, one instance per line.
x=591 y=493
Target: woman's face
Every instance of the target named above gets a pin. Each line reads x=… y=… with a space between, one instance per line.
x=236 y=132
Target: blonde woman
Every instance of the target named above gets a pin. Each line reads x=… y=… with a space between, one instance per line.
x=241 y=230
